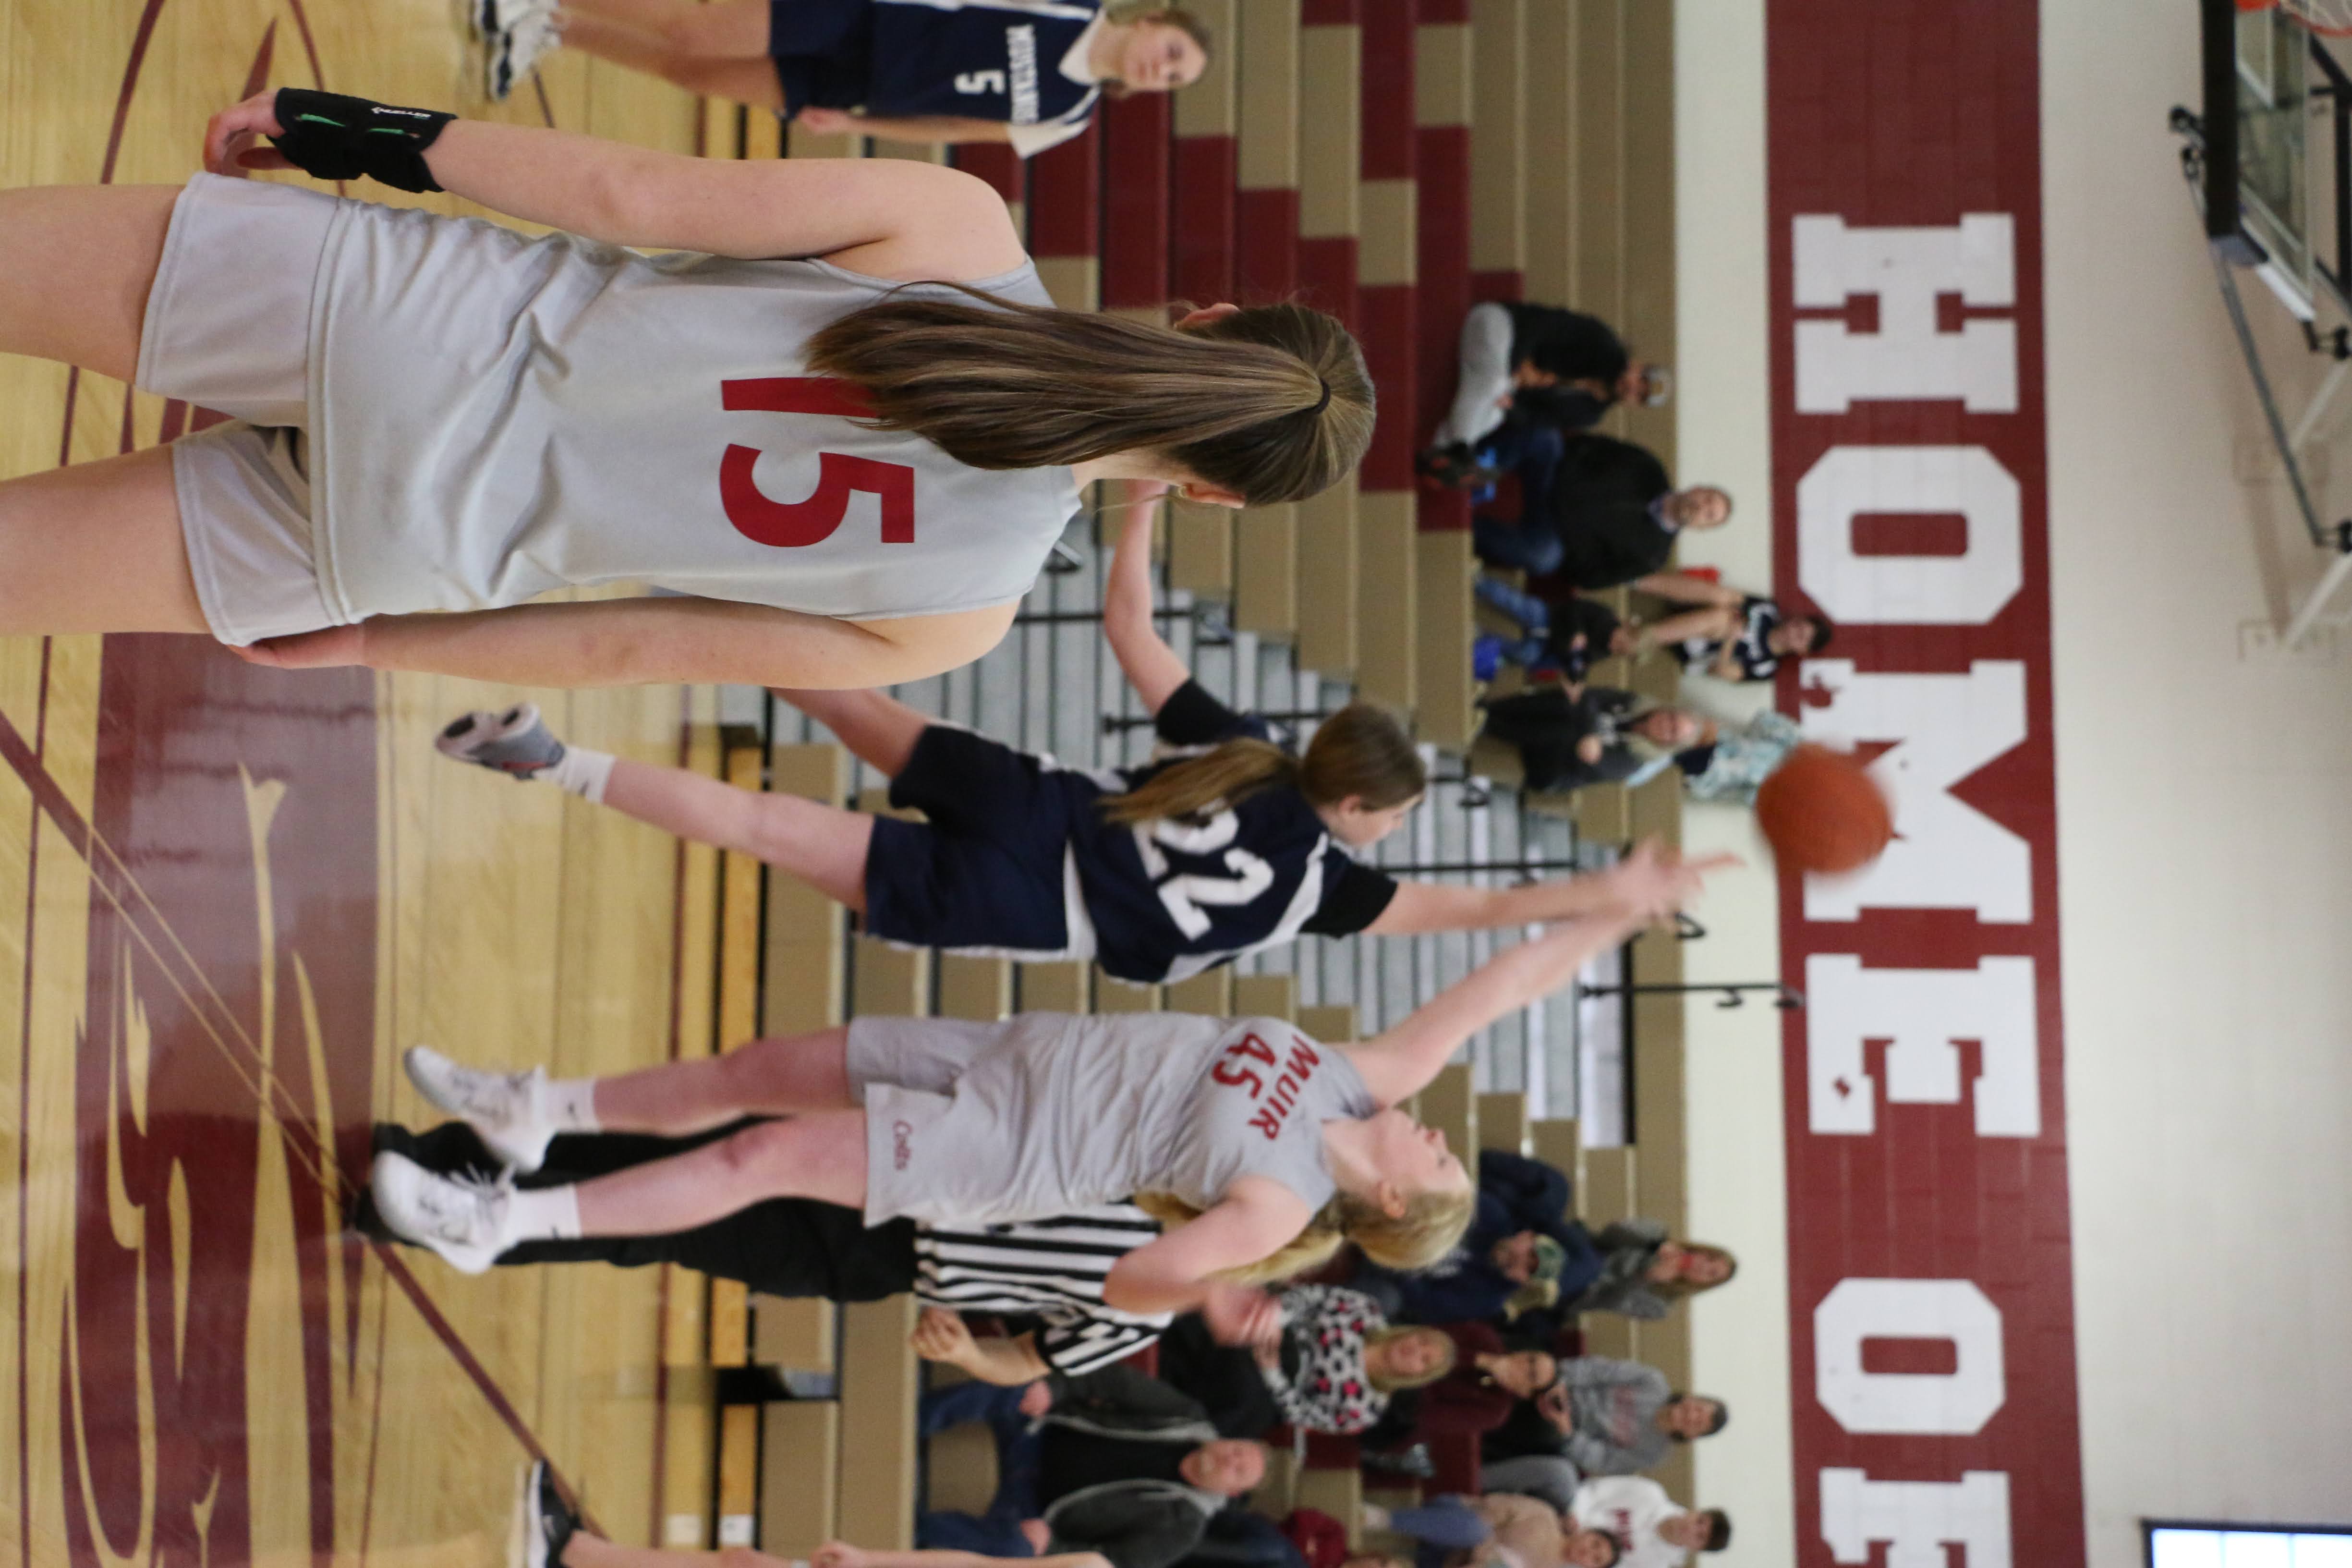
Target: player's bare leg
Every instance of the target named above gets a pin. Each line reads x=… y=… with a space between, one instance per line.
x=778 y=1076
x=878 y=730
x=822 y=845
x=818 y=1155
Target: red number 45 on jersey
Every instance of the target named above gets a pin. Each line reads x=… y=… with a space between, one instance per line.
x=765 y=519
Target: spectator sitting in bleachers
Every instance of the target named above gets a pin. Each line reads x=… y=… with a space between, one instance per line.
x=1520 y=1532
x=1644 y=1272
x=1114 y=1462
x=1730 y=635
x=1651 y=1529
x=1608 y=514
x=1477 y=1395
x=1564 y=639
x=1569 y=738
x=1536 y=365
x=1606 y=1417
x=1520 y=1233
x=1332 y=1366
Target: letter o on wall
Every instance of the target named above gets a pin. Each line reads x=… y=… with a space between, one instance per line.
x=1955 y=1403
x=1912 y=590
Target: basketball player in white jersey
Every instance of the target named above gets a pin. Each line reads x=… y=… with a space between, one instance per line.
x=1155 y=873
x=843 y=481
x=1260 y=1150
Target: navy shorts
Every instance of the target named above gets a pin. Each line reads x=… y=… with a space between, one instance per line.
x=822 y=51
x=985 y=872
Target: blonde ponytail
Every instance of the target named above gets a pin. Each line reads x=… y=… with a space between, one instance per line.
x=1431 y=1226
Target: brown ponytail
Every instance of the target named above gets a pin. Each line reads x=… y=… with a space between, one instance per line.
x=1224 y=777
x=1240 y=402
x=1359 y=751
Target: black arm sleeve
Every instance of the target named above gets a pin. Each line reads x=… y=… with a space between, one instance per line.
x=1191 y=716
x=333 y=136
x=1351 y=903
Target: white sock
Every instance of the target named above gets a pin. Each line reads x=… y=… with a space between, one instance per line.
x=569 y=1103
x=582 y=772
x=543 y=1214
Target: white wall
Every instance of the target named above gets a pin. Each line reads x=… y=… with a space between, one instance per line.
x=2205 y=828
x=1739 y=1335
x=2206 y=872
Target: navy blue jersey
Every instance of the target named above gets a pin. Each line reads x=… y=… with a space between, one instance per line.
x=1170 y=898
x=981 y=59
x=1759 y=619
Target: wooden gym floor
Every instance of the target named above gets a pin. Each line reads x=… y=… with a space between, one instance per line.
x=228 y=897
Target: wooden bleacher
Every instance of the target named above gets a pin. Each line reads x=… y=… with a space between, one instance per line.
x=1391 y=160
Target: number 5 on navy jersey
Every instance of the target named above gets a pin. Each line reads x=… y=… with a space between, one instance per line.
x=762 y=519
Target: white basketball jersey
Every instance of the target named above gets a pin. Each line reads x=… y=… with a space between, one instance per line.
x=496 y=416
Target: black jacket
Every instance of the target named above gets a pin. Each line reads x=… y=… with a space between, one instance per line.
x=1138 y=1524
x=1570 y=344
x=1545 y=726
x=1600 y=500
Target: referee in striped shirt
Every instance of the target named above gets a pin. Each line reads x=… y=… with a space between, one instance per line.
x=1047 y=1274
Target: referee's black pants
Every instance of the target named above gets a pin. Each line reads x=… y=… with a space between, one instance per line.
x=784 y=1246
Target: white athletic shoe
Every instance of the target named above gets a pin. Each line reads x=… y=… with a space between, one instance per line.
x=463 y=1220
x=548 y=1521
x=508 y=1109
x=514 y=51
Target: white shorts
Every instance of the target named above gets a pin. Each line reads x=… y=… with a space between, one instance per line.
x=229 y=326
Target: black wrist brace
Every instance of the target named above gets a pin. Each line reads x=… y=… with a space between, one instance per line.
x=329 y=136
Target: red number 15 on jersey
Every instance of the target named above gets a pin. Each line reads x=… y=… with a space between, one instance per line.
x=762 y=519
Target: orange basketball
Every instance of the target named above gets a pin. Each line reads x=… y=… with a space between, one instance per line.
x=1822 y=812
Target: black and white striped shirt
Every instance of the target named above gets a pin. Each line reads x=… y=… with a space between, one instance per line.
x=1052 y=1271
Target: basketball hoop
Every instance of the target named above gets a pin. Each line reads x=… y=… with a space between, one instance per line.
x=2330 y=19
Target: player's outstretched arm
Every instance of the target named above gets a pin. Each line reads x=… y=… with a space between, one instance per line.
x=1653 y=880
x=907 y=128
x=887 y=218
x=1151 y=666
x=639 y=642
x=1398 y=1063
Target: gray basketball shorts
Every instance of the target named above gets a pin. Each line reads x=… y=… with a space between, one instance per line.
x=931 y=1154
x=229 y=327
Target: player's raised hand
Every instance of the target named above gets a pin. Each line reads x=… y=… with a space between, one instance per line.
x=232 y=137
x=1653 y=881
x=838 y=1555
x=1240 y=1315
